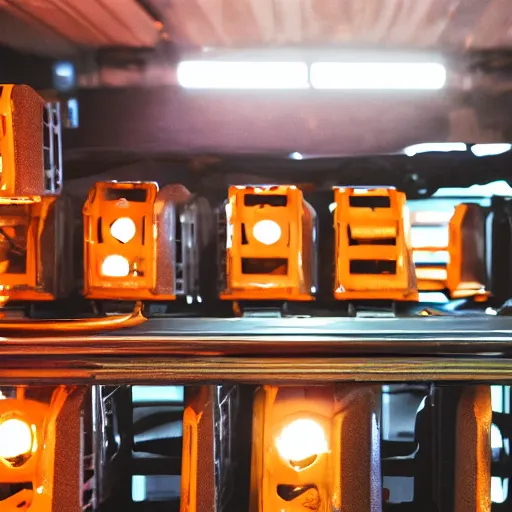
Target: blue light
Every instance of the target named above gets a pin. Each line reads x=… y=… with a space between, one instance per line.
x=73 y=121
x=296 y=156
x=64 y=76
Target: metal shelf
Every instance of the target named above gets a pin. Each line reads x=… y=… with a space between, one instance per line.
x=255 y=370
x=279 y=336
x=412 y=327
x=208 y=350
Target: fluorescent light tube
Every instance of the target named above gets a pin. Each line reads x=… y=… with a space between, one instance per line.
x=435 y=147
x=243 y=75
x=377 y=75
x=490 y=149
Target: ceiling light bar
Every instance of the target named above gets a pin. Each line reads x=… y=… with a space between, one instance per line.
x=243 y=75
x=490 y=149
x=378 y=75
x=435 y=147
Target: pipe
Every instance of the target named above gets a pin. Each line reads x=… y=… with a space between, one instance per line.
x=107 y=323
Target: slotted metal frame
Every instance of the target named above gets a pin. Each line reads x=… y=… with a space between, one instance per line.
x=52 y=125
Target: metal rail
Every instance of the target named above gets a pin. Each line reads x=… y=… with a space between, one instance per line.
x=421 y=327
x=274 y=337
x=277 y=350
x=425 y=328
x=203 y=370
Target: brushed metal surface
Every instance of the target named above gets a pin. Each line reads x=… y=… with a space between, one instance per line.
x=277 y=336
x=203 y=370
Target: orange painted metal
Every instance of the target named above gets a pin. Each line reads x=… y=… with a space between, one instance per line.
x=464 y=275
x=343 y=476
x=466 y=269
x=473 y=451
x=21 y=144
x=281 y=270
x=137 y=201
x=209 y=447
x=373 y=255
x=198 y=464
x=40 y=466
x=35 y=250
x=34 y=262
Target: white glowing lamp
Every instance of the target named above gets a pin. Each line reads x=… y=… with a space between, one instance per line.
x=301 y=439
x=15 y=438
x=123 y=229
x=267 y=232
x=115 y=266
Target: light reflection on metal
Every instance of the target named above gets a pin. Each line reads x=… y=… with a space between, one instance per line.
x=297 y=336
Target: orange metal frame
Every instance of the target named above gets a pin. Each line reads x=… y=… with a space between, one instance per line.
x=296 y=221
x=27 y=286
x=464 y=275
x=466 y=267
x=140 y=252
x=366 y=234
x=21 y=134
x=347 y=476
x=44 y=468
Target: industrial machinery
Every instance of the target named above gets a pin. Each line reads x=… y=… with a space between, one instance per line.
x=37 y=425
x=499 y=248
x=142 y=242
x=361 y=446
x=36 y=218
x=373 y=257
x=311 y=444
x=30 y=145
x=456 y=265
x=267 y=245
x=36 y=262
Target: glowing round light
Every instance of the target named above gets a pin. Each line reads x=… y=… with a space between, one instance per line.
x=115 y=266
x=267 y=232
x=301 y=440
x=15 y=438
x=123 y=229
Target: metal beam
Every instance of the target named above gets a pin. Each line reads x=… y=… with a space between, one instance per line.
x=192 y=370
x=274 y=337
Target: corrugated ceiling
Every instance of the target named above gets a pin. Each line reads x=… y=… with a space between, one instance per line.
x=61 y=26
x=416 y=23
